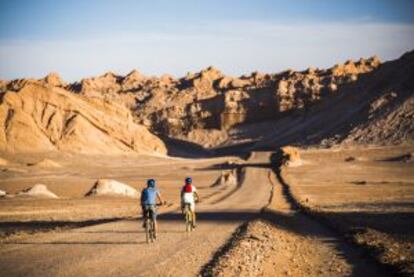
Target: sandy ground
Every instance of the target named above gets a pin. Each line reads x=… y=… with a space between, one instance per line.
x=367 y=193
x=121 y=244
x=76 y=176
x=233 y=237
x=285 y=242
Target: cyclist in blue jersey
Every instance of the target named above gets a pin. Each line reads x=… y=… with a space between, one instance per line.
x=149 y=197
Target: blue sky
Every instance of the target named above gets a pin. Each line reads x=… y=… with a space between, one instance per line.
x=85 y=38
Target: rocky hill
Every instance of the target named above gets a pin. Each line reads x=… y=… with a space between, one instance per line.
x=303 y=107
x=202 y=107
x=39 y=117
x=376 y=109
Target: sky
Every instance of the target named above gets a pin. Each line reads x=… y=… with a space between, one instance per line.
x=83 y=38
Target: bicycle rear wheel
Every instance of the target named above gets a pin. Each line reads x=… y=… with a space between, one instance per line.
x=188 y=219
x=147 y=230
x=154 y=234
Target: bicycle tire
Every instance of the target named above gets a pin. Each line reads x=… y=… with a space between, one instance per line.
x=188 y=219
x=147 y=230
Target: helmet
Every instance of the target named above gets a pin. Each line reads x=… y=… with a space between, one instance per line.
x=151 y=183
x=188 y=180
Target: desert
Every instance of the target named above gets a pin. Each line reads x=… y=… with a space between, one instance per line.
x=301 y=165
x=73 y=166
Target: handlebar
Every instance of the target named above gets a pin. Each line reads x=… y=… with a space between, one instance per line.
x=161 y=204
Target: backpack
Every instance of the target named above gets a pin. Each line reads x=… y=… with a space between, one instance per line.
x=188 y=188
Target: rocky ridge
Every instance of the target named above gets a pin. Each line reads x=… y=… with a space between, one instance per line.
x=207 y=107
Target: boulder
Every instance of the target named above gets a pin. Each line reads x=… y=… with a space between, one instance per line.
x=108 y=187
x=38 y=190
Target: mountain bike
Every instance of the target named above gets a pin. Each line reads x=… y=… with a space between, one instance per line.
x=188 y=217
x=150 y=232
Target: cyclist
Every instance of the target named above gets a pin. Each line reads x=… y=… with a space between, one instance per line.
x=189 y=195
x=149 y=196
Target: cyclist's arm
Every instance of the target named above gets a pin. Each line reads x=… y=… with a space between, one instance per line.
x=160 y=198
x=197 y=196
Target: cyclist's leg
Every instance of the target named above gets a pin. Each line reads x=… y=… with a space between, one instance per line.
x=144 y=215
x=192 y=208
x=154 y=217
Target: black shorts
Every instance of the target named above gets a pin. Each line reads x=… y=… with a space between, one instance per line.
x=150 y=211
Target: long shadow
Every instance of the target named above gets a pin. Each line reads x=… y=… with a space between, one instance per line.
x=127 y=232
x=8 y=227
x=229 y=166
x=220 y=217
x=75 y=243
x=185 y=149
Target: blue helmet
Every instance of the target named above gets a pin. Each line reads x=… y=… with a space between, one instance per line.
x=151 y=183
x=188 y=180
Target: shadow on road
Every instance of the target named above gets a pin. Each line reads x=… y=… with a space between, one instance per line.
x=221 y=217
x=7 y=227
x=76 y=242
x=227 y=166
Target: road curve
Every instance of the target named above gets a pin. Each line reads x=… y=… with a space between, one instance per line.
x=119 y=248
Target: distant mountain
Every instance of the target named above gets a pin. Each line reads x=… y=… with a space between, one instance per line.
x=355 y=102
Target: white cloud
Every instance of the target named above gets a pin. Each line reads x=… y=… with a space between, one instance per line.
x=234 y=47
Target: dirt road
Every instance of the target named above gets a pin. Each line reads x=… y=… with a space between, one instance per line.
x=119 y=248
x=294 y=244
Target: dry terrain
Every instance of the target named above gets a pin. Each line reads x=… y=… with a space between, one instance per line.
x=234 y=238
x=301 y=173
x=367 y=193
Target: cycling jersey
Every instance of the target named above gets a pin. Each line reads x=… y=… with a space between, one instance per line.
x=187 y=193
x=149 y=196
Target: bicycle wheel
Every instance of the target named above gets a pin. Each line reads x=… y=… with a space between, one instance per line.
x=188 y=219
x=153 y=233
x=147 y=230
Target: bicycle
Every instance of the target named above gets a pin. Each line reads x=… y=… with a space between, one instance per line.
x=150 y=232
x=189 y=227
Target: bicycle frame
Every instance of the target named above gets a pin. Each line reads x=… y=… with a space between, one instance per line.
x=150 y=233
x=188 y=218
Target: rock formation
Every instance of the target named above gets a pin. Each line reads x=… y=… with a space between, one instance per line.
x=209 y=100
x=39 y=118
x=377 y=108
x=107 y=187
x=207 y=107
x=39 y=191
